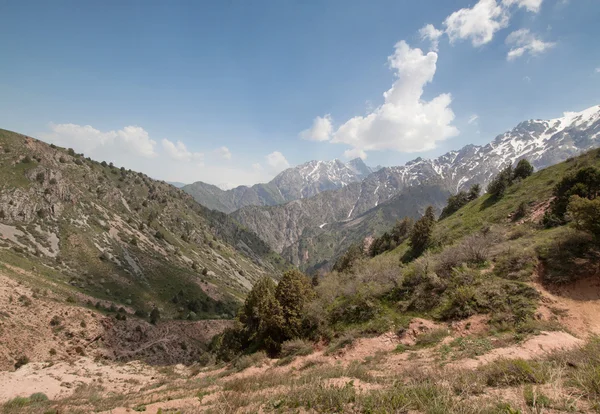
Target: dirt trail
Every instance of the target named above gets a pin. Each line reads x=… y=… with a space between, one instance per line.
x=577 y=305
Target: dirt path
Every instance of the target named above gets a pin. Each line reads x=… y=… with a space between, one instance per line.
x=576 y=305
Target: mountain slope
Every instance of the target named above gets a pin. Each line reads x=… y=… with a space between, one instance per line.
x=116 y=236
x=291 y=228
x=303 y=181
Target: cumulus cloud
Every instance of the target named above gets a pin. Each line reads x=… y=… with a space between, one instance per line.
x=597 y=70
x=353 y=153
x=404 y=122
x=89 y=140
x=224 y=153
x=179 y=152
x=321 y=129
x=277 y=161
x=429 y=32
x=531 y=5
x=131 y=147
x=477 y=24
x=522 y=41
x=473 y=118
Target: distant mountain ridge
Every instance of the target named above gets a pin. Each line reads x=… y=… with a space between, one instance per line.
x=302 y=181
x=294 y=228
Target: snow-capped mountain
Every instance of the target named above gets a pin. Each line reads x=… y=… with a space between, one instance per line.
x=302 y=181
x=542 y=142
x=289 y=227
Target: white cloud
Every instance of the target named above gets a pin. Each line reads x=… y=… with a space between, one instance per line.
x=353 y=153
x=404 y=122
x=429 y=32
x=84 y=138
x=597 y=70
x=320 y=131
x=473 y=118
x=224 y=153
x=527 y=79
x=179 y=152
x=477 y=24
x=523 y=41
x=131 y=147
x=531 y=5
x=277 y=161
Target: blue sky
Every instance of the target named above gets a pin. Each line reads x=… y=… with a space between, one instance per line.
x=227 y=92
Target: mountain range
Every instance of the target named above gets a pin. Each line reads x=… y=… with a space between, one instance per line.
x=303 y=181
x=306 y=230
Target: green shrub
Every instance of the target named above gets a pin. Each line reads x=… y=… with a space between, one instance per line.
x=432 y=337
x=296 y=347
x=421 y=233
x=535 y=398
x=22 y=360
x=523 y=169
x=585 y=214
x=246 y=361
x=516 y=264
x=569 y=256
x=512 y=372
x=38 y=397
x=500 y=183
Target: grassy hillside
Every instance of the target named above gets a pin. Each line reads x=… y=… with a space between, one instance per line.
x=498 y=314
x=116 y=236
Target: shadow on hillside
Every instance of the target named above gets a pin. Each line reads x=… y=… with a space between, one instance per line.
x=166 y=343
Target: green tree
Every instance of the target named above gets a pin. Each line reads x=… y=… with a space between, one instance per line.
x=422 y=232
x=584 y=183
x=262 y=317
x=585 y=214
x=523 y=169
x=455 y=202
x=501 y=182
x=347 y=260
x=293 y=292
x=474 y=192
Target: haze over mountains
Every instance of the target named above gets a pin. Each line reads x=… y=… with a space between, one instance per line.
x=303 y=229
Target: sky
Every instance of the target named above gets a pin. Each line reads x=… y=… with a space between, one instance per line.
x=232 y=92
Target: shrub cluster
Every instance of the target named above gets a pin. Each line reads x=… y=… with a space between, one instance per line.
x=508 y=176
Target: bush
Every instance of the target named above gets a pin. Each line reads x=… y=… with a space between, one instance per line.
x=296 y=347
x=512 y=372
x=389 y=241
x=346 y=261
x=584 y=183
x=40 y=177
x=262 y=317
x=22 y=360
x=523 y=169
x=500 y=183
x=454 y=203
x=516 y=264
x=38 y=397
x=474 y=192
x=585 y=214
x=521 y=211
x=246 y=361
x=421 y=233
x=154 y=316
x=569 y=256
